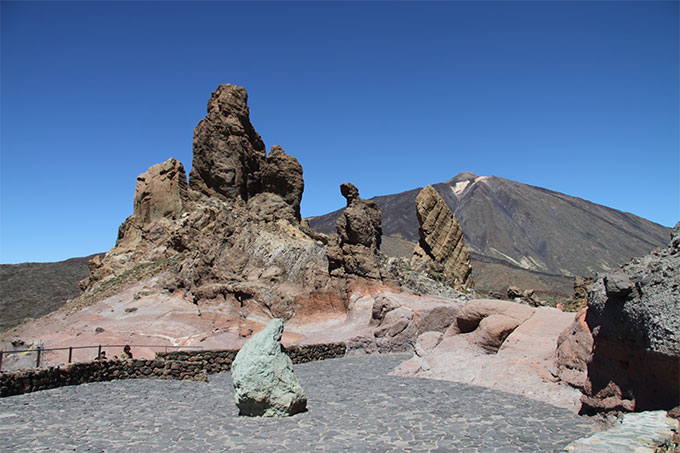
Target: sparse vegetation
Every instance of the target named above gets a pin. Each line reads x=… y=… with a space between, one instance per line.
x=115 y=284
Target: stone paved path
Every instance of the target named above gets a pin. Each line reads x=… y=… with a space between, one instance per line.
x=353 y=406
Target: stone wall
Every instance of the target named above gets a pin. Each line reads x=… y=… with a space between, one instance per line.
x=189 y=365
x=24 y=381
x=220 y=360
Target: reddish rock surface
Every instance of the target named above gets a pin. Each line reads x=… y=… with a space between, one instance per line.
x=574 y=349
x=524 y=363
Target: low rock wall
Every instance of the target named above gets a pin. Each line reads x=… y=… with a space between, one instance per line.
x=189 y=365
x=219 y=361
x=24 y=381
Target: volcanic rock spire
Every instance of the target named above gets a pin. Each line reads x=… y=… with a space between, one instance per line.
x=441 y=250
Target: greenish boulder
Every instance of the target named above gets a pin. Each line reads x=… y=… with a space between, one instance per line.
x=263 y=378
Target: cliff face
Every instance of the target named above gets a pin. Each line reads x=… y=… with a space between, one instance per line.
x=634 y=316
x=234 y=234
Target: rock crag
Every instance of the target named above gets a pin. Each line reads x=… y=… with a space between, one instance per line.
x=233 y=236
x=634 y=316
x=264 y=382
x=228 y=152
x=441 y=250
x=359 y=227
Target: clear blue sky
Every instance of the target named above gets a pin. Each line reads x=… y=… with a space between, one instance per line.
x=578 y=97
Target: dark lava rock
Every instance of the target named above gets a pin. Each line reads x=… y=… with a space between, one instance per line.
x=634 y=316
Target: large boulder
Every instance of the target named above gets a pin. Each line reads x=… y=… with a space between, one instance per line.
x=634 y=316
x=441 y=250
x=264 y=382
x=489 y=322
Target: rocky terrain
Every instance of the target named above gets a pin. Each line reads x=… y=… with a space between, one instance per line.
x=497 y=344
x=533 y=236
x=234 y=234
x=210 y=262
x=623 y=350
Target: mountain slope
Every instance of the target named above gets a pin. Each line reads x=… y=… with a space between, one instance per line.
x=32 y=290
x=525 y=226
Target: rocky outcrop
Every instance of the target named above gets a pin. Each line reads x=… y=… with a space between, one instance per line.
x=228 y=152
x=282 y=175
x=441 y=250
x=161 y=192
x=359 y=232
x=497 y=344
x=264 y=382
x=574 y=349
x=634 y=316
x=528 y=296
x=490 y=322
x=235 y=235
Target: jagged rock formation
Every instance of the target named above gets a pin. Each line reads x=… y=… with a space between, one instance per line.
x=359 y=228
x=634 y=316
x=161 y=192
x=523 y=235
x=282 y=175
x=263 y=378
x=524 y=297
x=441 y=249
x=228 y=152
x=235 y=235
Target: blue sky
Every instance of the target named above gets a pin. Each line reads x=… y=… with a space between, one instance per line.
x=578 y=97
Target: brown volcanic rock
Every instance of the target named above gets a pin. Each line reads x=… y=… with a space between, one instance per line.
x=161 y=192
x=359 y=231
x=282 y=175
x=634 y=315
x=228 y=152
x=237 y=238
x=441 y=248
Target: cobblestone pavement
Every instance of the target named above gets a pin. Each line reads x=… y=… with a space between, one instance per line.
x=353 y=406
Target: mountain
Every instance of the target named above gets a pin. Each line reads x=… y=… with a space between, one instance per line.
x=526 y=230
x=32 y=290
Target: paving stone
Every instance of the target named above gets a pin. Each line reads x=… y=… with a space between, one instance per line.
x=353 y=406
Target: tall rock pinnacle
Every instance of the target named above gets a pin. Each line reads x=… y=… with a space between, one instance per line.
x=441 y=249
x=228 y=152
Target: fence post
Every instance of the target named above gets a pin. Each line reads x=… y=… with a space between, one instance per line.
x=99 y=352
x=70 y=353
x=1 y=352
x=37 y=358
